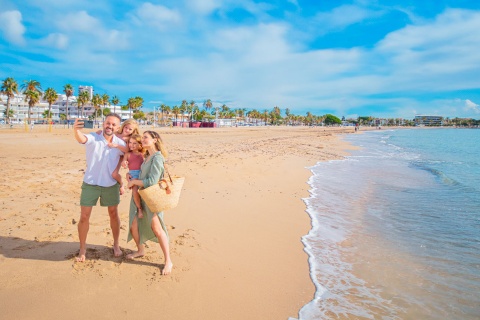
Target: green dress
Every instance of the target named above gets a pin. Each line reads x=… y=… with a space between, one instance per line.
x=150 y=172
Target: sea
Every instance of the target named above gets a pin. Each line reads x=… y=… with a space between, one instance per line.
x=396 y=227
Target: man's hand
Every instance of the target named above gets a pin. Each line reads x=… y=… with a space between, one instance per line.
x=78 y=124
x=77 y=127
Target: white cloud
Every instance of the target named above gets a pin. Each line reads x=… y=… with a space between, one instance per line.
x=433 y=56
x=263 y=43
x=203 y=7
x=82 y=30
x=114 y=40
x=12 y=27
x=158 y=16
x=79 y=22
x=342 y=17
x=55 y=40
x=471 y=106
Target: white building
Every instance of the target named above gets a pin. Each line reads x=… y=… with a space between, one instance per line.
x=19 y=105
x=424 y=120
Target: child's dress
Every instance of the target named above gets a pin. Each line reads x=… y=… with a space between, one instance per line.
x=134 y=163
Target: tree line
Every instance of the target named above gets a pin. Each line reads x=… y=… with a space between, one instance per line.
x=101 y=102
x=34 y=93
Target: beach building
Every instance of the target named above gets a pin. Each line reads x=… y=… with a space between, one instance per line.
x=424 y=120
x=19 y=106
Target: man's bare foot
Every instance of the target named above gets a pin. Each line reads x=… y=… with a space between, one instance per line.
x=136 y=254
x=117 y=252
x=140 y=213
x=81 y=256
x=167 y=269
x=122 y=190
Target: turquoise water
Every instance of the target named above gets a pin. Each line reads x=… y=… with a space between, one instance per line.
x=396 y=227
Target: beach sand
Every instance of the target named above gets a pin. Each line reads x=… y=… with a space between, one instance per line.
x=235 y=236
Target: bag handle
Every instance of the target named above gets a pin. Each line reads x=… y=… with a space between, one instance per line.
x=163 y=183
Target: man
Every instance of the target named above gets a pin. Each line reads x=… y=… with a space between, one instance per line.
x=98 y=181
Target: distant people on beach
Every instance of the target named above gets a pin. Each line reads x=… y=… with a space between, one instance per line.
x=133 y=160
x=98 y=182
x=126 y=130
x=151 y=226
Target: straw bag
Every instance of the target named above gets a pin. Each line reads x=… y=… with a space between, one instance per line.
x=164 y=195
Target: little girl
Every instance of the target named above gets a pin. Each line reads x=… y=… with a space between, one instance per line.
x=133 y=160
x=127 y=128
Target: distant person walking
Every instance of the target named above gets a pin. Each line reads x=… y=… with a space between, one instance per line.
x=98 y=181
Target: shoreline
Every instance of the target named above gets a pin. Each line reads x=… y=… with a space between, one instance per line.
x=235 y=236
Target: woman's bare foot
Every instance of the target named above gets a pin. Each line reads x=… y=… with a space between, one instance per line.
x=117 y=252
x=167 y=269
x=140 y=213
x=81 y=255
x=136 y=254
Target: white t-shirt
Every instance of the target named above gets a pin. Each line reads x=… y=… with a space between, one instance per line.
x=101 y=159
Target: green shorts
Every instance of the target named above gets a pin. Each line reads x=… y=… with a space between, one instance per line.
x=109 y=196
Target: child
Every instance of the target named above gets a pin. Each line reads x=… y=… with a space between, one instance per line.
x=133 y=160
x=127 y=128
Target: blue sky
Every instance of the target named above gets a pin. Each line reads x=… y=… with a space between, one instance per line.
x=379 y=58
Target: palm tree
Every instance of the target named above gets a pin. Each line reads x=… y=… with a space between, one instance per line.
x=68 y=89
x=195 y=111
x=50 y=95
x=34 y=94
x=82 y=100
x=176 y=110
x=207 y=104
x=193 y=107
x=105 y=101
x=254 y=114
x=265 y=116
x=115 y=101
x=134 y=104
x=32 y=85
x=167 y=112
x=184 y=108
x=225 y=111
x=96 y=101
x=162 y=108
x=189 y=110
x=9 y=88
x=33 y=98
x=131 y=105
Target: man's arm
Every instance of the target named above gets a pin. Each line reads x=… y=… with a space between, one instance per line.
x=79 y=135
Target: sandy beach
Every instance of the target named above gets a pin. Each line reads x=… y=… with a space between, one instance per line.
x=235 y=236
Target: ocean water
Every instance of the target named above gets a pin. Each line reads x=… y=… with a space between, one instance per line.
x=396 y=228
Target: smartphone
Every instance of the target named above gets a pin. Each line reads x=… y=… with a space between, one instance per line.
x=88 y=124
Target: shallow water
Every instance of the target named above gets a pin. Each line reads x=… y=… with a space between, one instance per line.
x=396 y=228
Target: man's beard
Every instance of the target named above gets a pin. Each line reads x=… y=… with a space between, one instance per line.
x=108 y=133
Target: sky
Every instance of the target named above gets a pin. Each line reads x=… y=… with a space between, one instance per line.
x=380 y=58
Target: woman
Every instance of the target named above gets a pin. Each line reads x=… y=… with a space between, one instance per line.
x=151 y=226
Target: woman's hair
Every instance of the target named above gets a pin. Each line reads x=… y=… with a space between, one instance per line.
x=131 y=122
x=138 y=139
x=159 y=144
